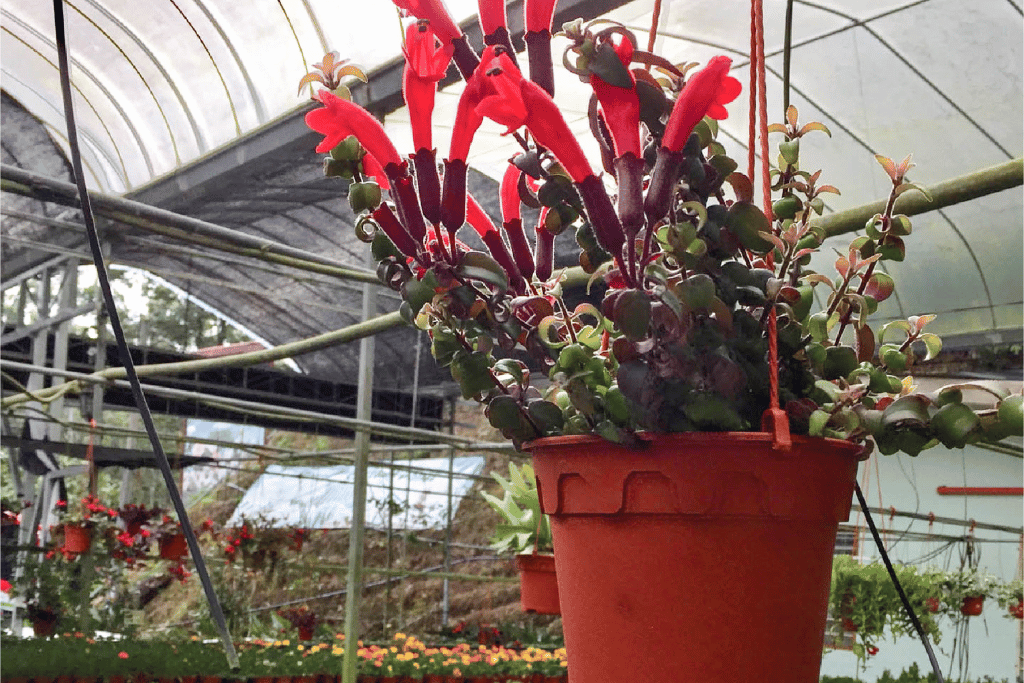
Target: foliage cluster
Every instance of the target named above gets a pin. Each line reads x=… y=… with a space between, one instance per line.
x=696 y=277
x=403 y=655
x=864 y=599
x=525 y=528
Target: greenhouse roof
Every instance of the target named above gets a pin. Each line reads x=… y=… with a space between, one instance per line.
x=193 y=107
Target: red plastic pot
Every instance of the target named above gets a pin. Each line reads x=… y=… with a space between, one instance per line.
x=173 y=547
x=972 y=606
x=933 y=605
x=44 y=622
x=77 y=538
x=1016 y=610
x=650 y=542
x=538 y=585
x=305 y=632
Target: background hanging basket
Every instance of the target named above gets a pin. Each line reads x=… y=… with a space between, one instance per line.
x=538 y=583
x=173 y=547
x=77 y=538
x=709 y=553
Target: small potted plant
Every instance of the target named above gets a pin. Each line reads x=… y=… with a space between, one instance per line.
x=1011 y=598
x=967 y=589
x=302 y=618
x=81 y=522
x=169 y=537
x=695 y=361
x=526 y=531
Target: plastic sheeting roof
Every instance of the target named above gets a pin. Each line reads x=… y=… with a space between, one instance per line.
x=321 y=497
x=192 y=106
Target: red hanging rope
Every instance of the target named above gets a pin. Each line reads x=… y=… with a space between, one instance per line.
x=774 y=419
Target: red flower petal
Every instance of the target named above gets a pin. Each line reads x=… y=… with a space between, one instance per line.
x=539 y=14
x=340 y=118
x=434 y=12
x=704 y=95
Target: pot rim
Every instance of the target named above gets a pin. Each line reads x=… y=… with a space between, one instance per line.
x=710 y=438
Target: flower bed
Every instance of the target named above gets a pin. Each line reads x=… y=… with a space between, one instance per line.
x=405 y=656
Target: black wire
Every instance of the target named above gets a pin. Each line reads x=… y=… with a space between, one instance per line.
x=122 y=344
x=899 y=589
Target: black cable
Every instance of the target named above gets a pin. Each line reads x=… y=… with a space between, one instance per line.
x=122 y=344
x=899 y=589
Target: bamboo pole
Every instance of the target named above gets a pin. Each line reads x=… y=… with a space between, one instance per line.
x=947 y=193
x=321 y=341
x=184 y=228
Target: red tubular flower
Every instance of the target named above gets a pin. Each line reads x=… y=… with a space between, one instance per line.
x=492 y=16
x=513 y=101
x=426 y=62
x=545 y=249
x=621 y=106
x=340 y=118
x=539 y=14
x=706 y=94
x=395 y=231
x=481 y=222
x=512 y=221
x=433 y=11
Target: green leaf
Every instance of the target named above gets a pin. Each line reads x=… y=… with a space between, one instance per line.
x=790 y=151
x=932 y=343
x=954 y=423
x=880 y=286
x=816 y=422
x=697 y=292
x=546 y=415
x=472 y=372
x=818 y=326
x=840 y=361
x=633 y=314
x=746 y=221
x=607 y=66
x=893 y=249
x=1011 y=413
x=906 y=411
x=476 y=265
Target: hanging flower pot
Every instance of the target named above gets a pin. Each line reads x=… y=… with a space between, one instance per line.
x=173 y=547
x=933 y=605
x=650 y=542
x=43 y=619
x=538 y=585
x=973 y=605
x=77 y=538
x=1016 y=610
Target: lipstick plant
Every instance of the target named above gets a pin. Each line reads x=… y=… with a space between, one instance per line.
x=693 y=273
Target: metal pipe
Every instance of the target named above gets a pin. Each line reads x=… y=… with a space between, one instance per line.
x=163 y=222
x=356 y=536
x=290 y=350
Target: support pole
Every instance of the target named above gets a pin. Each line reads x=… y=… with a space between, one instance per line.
x=354 y=593
x=963 y=188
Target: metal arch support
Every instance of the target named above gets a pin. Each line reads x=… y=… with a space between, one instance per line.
x=99 y=84
x=149 y=89
x=59 y=133
x=316 y=26
x=200 y=138
x=261 y=113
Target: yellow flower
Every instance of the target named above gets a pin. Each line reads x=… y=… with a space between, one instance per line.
x=300 y=648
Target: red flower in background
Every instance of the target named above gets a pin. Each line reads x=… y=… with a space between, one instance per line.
x=705 y=94
x=539 y=14
x=426 y=62
x=620 y=105
x=340 y=118
x=492 y=15
x=434 y=12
